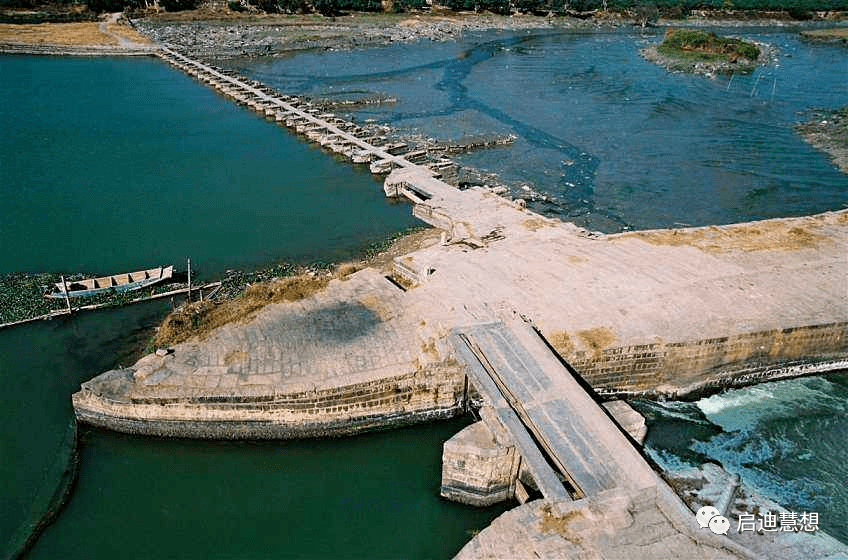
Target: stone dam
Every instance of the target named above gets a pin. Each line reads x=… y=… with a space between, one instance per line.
x=531 y=322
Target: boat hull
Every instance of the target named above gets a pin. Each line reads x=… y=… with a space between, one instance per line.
x=117 y=283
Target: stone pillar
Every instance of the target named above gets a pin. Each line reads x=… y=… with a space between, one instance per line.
x=477 y=469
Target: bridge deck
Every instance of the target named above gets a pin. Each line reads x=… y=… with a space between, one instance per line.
x=226 y=82
x=537 y=398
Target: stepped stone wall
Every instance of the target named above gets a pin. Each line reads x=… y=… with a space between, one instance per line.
x=705 y=365
x=436 y=392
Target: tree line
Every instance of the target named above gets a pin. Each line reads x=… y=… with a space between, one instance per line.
x=799 y=9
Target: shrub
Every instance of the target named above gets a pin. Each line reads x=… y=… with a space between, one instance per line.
x=325 y=7
x=360 y=5
x=406 y=5
x=494 y=6
x=708 y=44
x=178 y=5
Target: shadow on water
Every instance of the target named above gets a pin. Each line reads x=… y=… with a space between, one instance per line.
x=50 y=498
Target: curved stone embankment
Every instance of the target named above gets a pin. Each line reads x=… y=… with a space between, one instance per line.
x=732 y=305
x=347 y=410
x=339 y=362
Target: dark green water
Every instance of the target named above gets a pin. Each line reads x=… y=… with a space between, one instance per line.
x=41 y=365
x=115 y=164
x=372 y=496
x=109 y=165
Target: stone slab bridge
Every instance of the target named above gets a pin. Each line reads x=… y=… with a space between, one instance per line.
x=527 y=319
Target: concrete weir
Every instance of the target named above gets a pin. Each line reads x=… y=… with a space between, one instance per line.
x=512 y=313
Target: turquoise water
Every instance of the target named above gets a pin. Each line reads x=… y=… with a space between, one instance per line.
x=110 y=165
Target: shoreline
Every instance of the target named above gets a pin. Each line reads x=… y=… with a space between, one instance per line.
x=710 y=69
x=221 y=34
x=111 y=36
x=827 y=130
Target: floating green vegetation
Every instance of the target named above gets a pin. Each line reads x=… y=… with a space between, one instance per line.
x=21 y=296
x=235 y=282
x=694 y=44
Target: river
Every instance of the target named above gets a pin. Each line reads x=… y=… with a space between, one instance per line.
x=131 y=164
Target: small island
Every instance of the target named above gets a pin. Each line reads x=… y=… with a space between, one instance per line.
x=704 y=52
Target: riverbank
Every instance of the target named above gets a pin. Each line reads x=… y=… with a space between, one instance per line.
x=110 y=36
x=828 y=131
x=835 y=35
x=224 y=34
x=439 y=269
x=228 y=37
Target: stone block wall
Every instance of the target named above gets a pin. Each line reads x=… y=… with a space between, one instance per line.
x=681 y=368
x=429 y=393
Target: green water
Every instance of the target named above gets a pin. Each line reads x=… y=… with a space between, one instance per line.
x=41 y=365
x=109 y=165
x=371 y=496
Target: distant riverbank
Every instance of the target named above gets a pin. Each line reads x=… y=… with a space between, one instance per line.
x=111 y=36
x=227 y=34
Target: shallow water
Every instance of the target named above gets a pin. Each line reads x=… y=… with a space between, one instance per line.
x=135 y=164
x=613 y=142
x=604 y=137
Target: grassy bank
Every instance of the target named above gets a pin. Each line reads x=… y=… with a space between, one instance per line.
x=243 y=294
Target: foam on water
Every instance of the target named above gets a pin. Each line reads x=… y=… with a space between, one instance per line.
x=786 y=439
x=742 y=408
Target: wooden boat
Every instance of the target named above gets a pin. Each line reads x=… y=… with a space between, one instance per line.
x=118 y=282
